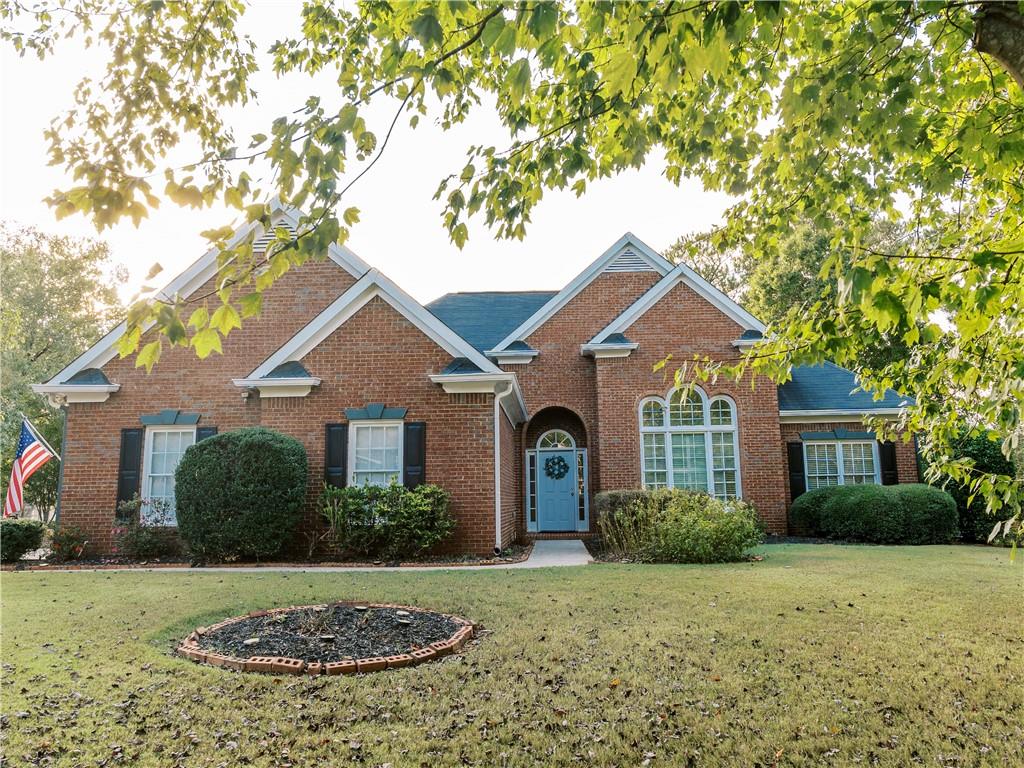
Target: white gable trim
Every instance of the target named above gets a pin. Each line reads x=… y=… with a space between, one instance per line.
x=681 y=274
x=582 y=280
x=369 y=286
x=197 y=274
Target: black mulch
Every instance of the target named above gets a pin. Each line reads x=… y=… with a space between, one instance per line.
x=333 y=634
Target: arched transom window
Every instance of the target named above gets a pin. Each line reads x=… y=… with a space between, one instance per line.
x=556 y=438
x=689 y=442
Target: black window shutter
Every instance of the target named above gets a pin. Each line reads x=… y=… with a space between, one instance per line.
x=204 y=432
x=797 y=483
x=887 y=458
x=335 y=455
x=415 y=449
x=129 y=472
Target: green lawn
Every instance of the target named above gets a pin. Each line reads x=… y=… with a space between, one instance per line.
x=819 y=655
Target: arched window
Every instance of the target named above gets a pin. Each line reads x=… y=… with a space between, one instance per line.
x=690 y=442
x=556 y=438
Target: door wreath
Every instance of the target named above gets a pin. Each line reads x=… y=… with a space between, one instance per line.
x=556 y=467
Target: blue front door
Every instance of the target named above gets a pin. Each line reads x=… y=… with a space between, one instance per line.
x=556 y=491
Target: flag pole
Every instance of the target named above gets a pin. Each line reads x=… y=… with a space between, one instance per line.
x=40 y=438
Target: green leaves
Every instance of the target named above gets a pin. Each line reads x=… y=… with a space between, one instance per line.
x=206 y=342
x=225 y=318
x=517 y=81
x=427 y=29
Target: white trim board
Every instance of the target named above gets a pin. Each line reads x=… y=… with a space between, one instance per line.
x=581 y=281
x=194 y=276
x=369 y=286
x=835 y=414
x=682 y=273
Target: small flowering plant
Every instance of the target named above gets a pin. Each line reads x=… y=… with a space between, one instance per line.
x=141 y=529
x=68 y=543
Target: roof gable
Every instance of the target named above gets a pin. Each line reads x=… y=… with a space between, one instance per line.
x=197 y=274
x=371 y=285
x=682 y=273
x=628 y=254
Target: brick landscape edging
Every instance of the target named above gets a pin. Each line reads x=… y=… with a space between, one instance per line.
x=280 y=665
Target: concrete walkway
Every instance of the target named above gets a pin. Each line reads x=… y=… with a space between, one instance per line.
x=546 y=554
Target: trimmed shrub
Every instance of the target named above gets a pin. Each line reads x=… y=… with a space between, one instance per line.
x=240 y=494
x=18 y=537
x=675 y=526
x=67 y=543
x=697 y=528
x=862 y=513
x=393 y=522
x=805 y=512
x=890 y=514
x=929 y=514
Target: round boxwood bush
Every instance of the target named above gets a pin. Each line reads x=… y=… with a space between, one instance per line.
x=805 y=513
x=240 y=494
x=929 y=514
x=862 y=513
x=18 y=537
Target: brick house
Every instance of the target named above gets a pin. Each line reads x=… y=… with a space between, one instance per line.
x=522 y=405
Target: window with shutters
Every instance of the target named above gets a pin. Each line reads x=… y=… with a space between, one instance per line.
x=689 y=441
x=375 y=452
x=164 y=448
x=840 y=462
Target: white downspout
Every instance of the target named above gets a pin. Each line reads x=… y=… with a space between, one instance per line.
x=499 y=395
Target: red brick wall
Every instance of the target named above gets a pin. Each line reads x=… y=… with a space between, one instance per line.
x=356 y=368
x=560 y=375
x=180 y=380
x=906 y=455
x=684 y=324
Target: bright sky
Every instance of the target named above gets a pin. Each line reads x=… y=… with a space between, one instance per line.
x=400 y=231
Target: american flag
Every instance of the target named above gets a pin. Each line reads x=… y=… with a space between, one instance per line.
x=31 y=455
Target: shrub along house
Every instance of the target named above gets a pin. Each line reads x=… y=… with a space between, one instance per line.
x=522 y=405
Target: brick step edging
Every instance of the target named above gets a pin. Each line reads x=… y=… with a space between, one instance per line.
x=282 y=665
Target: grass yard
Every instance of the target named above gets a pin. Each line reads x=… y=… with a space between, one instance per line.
x=820 y=655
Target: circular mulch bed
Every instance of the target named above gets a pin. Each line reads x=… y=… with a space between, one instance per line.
x=335 y=639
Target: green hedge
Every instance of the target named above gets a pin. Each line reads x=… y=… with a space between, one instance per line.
x=675 y=526
x=866 y=512
x=805 y=513
x=878 y=514
x=975 y=522
x=240 y=494
x=392 y=522
x=18 y=537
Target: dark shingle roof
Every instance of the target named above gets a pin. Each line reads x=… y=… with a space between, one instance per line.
x=615 y=338
x=484 y=319
x=829 y=387
x=88 y=376
x=461 y=365
x=291 y=369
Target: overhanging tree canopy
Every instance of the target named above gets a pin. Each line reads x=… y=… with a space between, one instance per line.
x=850 y=111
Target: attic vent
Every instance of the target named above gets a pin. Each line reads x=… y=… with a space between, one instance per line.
x=629 y=261
x=259 y=245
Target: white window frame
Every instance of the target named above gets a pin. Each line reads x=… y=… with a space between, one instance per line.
x=570 y=447
x=839 y=458
x=707 y=428
x=355 y=426
x=147 y=460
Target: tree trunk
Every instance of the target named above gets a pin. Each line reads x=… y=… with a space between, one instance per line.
x=999 y=32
